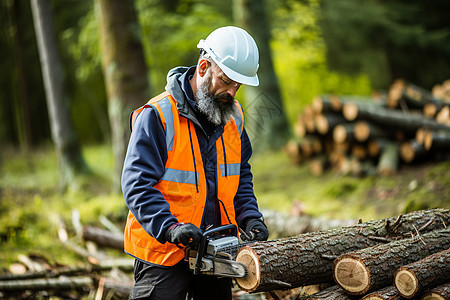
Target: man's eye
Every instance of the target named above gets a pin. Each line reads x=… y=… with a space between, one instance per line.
x=225 y=81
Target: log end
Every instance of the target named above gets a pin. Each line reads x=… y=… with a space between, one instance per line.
x=362 y=131
x=432 y=296
x=339 y=134
x=352 y=275
x=248 y=258
x=350 y=111
x=406 y=283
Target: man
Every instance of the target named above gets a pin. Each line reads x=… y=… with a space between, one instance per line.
x=186 y=169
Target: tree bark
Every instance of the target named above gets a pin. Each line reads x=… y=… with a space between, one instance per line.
x=412 y=151
x=368 y=269
x=125 y=71
x=412 y=279
x=441 y=292
x=387 y=293
x=307 y=259
x=267 y=123
x=439 y=140
x=64 y=136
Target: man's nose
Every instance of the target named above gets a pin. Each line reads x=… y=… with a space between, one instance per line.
x=232 y=90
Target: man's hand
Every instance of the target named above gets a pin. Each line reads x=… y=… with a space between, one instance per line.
x=255 y=230
x=185 y=234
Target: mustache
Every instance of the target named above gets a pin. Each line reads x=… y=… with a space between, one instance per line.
x=224 y=96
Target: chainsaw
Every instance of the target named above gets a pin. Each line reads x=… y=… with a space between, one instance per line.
x=216 y=252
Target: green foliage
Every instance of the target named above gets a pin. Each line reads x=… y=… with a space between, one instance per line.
x=300 y=62
x=389 y=39
x=171 y=33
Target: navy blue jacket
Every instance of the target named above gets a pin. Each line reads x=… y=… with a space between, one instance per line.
x=146 y=156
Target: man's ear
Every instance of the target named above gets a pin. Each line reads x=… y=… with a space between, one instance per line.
x=202 y=67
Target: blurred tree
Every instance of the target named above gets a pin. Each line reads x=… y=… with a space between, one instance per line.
x=23 y=114
x=124 y=69
x=389 y=39
x=64 y=136
x=266 y=119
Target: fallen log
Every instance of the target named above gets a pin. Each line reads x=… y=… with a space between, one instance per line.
x=307 y=259
x=372 y=268
x=387 y=293
x=62 y=282
x=387 y=117
x=441 y=292
x=365 y=130
x=413 y=279
x=334 y=292
x=103 y=238
x=344 y=133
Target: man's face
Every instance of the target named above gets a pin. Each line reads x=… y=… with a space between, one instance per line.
x=215 y=96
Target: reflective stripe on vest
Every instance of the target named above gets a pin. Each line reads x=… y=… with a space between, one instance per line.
x=183 y=183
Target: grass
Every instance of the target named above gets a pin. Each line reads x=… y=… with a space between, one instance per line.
x=32 y=205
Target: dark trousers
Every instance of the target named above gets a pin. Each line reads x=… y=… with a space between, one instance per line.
x=177 y=283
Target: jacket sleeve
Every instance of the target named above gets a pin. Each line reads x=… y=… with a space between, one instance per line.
x=143 y=167
x=245 y=203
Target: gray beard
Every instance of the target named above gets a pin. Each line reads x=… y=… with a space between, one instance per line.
x=216 y=111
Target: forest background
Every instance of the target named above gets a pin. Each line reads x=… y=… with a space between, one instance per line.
x=314 y=47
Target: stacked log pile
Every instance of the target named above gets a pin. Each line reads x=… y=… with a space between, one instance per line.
x=391 y=258
x=357 y=135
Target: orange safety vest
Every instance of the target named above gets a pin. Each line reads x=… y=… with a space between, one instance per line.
x=183 y=184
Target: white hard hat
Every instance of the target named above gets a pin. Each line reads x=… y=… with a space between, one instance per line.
x=235 y=52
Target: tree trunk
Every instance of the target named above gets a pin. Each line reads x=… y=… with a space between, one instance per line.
x=307 y=259
x=368 y=269
x=441 y=292
x=125 y=71
x=267 y=123
x=64 y=136
x=412 y=151
x=334 y=292
x=429 y=272
x=387 y=293
x=344 y=133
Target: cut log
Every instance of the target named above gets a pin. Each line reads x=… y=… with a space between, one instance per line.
x=365 y=130
x=103 y=238
x=412 y=151
x=372 y=268
x=441 y=292
x=334 y=292
x=293 y=150
x=413 y=95
x=432 y=271
x=325 y=103
x=387 y=293
x=443 y=116
x=318 y=164
x=307 y=259
x=343 y=133
x=437 y=140
x=389 y=159
x=324 y=123
x=392 y=118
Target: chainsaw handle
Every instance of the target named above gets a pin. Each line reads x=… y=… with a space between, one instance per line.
x=229 y=227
